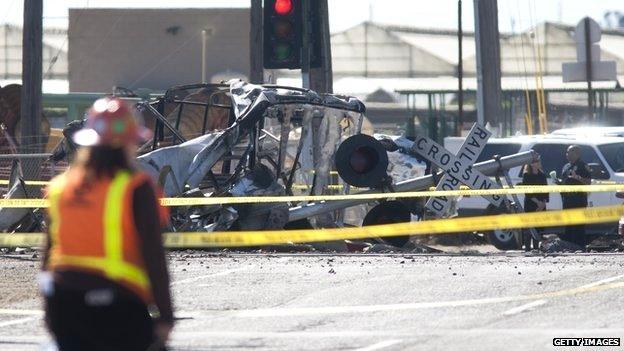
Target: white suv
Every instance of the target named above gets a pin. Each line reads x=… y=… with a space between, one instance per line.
x=604 y=156
x=590 y=132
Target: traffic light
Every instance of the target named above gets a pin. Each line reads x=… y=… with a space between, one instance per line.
x=283 y=34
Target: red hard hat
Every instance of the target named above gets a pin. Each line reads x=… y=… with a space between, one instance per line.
x=112 y=122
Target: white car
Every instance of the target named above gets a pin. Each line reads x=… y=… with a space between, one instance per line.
x=590 y=132
x=604 y=156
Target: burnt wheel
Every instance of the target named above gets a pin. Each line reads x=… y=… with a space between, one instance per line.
x=389 y=212
x=503 y=239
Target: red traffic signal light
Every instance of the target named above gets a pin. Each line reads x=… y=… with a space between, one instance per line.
x=283 y=7
x=283 y=33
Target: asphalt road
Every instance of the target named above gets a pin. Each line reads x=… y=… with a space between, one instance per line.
x=510 y=301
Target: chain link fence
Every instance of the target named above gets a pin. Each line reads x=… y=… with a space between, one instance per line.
x=35 y=169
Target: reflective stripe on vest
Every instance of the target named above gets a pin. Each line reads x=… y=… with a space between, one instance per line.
x=112 y=264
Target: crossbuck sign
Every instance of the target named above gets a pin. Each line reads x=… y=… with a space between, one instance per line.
x=458 y=168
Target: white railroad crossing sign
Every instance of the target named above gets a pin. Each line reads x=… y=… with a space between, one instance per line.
x=458 y=168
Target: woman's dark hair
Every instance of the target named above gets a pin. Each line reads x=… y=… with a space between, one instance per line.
x=102 y=161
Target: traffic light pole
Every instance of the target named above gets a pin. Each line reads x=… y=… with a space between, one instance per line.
x=321 y=78
x=256 y=74
x=488 y=62
x=460 y=71
x=305 y=45
x=588 y=71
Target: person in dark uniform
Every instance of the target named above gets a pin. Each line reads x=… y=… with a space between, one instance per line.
x=575 y=172
x=533 y=175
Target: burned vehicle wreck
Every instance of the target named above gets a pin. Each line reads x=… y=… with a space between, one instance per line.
x=278 y=141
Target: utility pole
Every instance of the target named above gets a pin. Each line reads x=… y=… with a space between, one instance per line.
x=256 y=72
x=460 y=71
x=488 y=62
x=588 y=69
x=31 y=77
x=321 y=78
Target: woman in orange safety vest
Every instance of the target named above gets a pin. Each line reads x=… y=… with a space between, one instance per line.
x=105 y=279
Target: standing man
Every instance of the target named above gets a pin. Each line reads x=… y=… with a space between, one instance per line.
x=575 y=172
x=105 y=280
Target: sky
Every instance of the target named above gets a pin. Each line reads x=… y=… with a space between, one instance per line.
x=514 y=15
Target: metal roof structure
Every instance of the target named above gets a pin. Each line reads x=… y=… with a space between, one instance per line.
x=362 y=86
x=378 y=50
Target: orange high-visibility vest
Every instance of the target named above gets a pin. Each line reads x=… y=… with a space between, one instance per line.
x=92 y=230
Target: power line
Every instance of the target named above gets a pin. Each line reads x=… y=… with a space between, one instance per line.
x=165 y=58
x=54 y=59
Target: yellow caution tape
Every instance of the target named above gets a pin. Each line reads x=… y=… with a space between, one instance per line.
x=28 y=182
x=378 y=196
x=329 y=186
x=196 y=201
x=431 y=227
x=604 y=182
x=22 y=240
x=23 y=203
x=462 y=187
x=294 y=186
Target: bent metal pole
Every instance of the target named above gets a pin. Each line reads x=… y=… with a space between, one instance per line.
x=488 y=168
